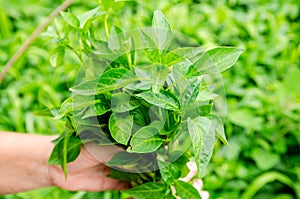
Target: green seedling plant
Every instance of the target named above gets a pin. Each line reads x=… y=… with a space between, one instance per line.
x=146 y=93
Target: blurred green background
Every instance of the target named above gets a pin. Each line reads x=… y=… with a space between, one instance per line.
x=263 y=88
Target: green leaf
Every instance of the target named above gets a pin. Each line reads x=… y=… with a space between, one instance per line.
x=219 y=128
x=122 y=102
x=162 y=30
x=191 y=93
x=163 y=99
x=123 y=158
x=100 y=107
x=75 y=104
x=57 y=57
x=265 y=160
x=140 y=116
x=145 y=140
x=66 y=149
x=65 y=108
x=106 y=4
x=216 y=60
x=158 y=76
x=180 y=143
x=124 y=176
x=151 y=51
x=181 y=54
x=169 y=171
x=110 y=80
x=120 y=126
x=246 y=118
x=265 y=178
x=203 y=140
x=71 y=19
x=186 y=190
x=88 y=16
x=148 y=190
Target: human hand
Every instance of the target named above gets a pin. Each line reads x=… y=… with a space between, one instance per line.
x=23 y=166
x=88 y=172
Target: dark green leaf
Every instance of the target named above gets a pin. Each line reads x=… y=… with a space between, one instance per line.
x=125 y=176
x=123 y=158
x=120 y=126
x=67 y=149
x=205 y=110
x=186 y=190
x=122 y=102
x=100 y=107
x=169 y=171
x=110 y=80
x=163 y=99
x=148 y=190
x=140 y=116
x=145 y=140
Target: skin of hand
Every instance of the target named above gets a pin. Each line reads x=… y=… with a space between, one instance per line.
x=23 y=166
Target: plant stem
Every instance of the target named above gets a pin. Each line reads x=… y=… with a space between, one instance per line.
x=32 y=37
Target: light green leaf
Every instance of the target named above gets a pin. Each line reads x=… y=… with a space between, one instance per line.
x=158 y=76
x=162 y=30
x=57 y=57
x=265 y=160
x=191 y=93
x=151 y=51
x=181 y=54
x=216 y=60
x=106 y=4
x=265 y=178
x=163 y=99
x=145 y=140
x=71 y=19
x=203 y=140
x=219 y=128
x=87 y=16
x=148 y=190
x=224 y=57
x=120 y=127
x=186 y=190
x=180 y=143
x=246 y=118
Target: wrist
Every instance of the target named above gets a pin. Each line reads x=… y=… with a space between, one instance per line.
x=25 y=158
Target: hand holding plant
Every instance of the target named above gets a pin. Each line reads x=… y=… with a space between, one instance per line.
x=147 y=93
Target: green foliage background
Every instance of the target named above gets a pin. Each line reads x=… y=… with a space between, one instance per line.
x=263 y=92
